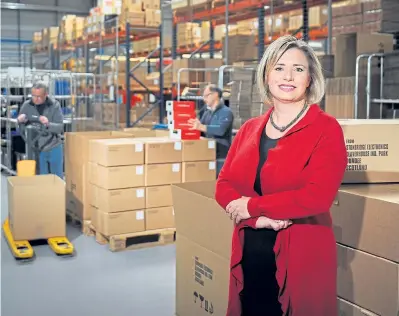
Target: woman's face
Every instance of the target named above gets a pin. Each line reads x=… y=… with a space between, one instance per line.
x=289 y=78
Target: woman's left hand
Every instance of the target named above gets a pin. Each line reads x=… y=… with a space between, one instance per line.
x=238 y=209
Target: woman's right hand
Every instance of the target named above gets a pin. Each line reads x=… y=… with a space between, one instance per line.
x=264 y=222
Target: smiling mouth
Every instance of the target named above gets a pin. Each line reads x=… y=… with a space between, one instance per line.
x=286 y=88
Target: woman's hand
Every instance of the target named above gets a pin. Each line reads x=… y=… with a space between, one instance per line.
x=264 y=222
x=238 y=209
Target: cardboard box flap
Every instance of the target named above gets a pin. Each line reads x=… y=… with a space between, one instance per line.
x=384 y=192
x=199 y=218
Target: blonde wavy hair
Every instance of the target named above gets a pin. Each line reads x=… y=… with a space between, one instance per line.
x=273 y=53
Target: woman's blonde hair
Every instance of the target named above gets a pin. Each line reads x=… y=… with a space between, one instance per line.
x=273 y=53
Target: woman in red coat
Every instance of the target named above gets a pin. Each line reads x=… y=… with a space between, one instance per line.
x=278 y=182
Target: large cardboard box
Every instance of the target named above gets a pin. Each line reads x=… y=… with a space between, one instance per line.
x=366 y=217
x=163 y=174
x=197 y=171
x=373 y=151
x=36 y=207
x=118 y=200
x=158 y=196
x=203 y=249
x=117 y=152
x=199 y=150
x=368 y=281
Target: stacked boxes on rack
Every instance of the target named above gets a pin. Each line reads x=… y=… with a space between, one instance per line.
x=366 y=16
x=50 y=36
x=366 y=220
x=178 y=114
x=66 y=28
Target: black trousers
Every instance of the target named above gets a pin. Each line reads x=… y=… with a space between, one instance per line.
x=260 y=294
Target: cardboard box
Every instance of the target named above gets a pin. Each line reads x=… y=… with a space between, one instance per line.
x=368 y=281
x=118 y=200
x=117 y=152
x=158 y=196
x=152 y=17
x=161 y=150
x=158 y=218
x=203 y=250
x=122 y=177
x=349 y=46
x=110 y=224
x=373 y=151
x=197 y=171
x=36 y=207
x=366 y=217
x=77 y=144
x=199 y=150
x=346 y=308
x=163 y=174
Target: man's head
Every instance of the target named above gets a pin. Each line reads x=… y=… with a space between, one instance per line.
x=39 y=93
x=212 y=96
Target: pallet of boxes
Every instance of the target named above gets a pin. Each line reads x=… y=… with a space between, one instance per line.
x=366 y=220
x=125 y=195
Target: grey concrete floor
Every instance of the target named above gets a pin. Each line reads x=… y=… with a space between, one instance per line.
x=96 y=282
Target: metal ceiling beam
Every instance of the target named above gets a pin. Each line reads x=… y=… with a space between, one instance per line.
x=37 y=7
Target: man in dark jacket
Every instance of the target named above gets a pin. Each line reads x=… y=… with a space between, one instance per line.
x=48 y=113
x=216 y=123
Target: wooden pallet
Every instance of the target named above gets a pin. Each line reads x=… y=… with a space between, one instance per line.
x=140 y=240
x=84 y=225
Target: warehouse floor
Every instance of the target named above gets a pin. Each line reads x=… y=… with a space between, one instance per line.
x=95 y=282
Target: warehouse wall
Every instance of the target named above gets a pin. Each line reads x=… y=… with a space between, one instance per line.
x=17 y=26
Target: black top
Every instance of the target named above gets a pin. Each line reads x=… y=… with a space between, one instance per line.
x=258 y=263
x=266 y=143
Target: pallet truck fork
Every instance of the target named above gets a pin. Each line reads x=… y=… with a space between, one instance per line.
x=22 y=249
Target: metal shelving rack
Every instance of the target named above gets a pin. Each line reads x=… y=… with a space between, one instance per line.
x=244 y=10
x=117 y=38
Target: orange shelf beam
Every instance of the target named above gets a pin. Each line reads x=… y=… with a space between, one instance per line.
x=248 y=8
x=232 y=8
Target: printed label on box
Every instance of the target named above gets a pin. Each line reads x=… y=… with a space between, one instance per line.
x=140 y=215
x=139 y=147
x=177 y=145
x=139 y=170
x=176 y=167
x=211 y=144
x=212 y=165
x=140 y=193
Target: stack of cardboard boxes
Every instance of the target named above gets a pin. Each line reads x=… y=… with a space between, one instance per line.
x=121 y=181
x=116 y=174
x=366 y=219
x=132 y=180
x=339 y=100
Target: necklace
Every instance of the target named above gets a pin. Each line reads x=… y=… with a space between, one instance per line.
x=282 y=129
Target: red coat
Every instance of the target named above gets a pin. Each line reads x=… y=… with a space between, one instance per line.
x=299 y=180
